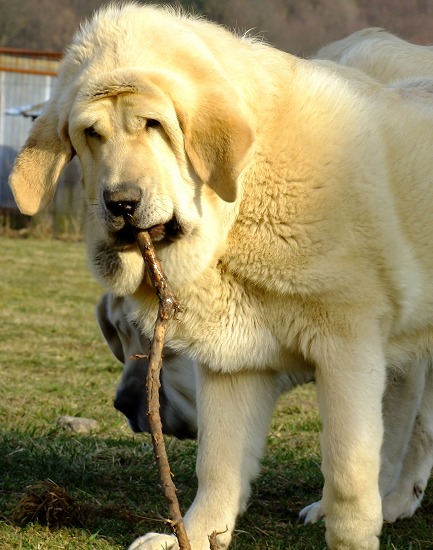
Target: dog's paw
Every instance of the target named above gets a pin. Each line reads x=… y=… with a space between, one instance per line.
x=342 y=542
x=312 y=513
x=401 y=504
x=155 y=541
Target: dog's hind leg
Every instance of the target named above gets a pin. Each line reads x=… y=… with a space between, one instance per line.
x=402 y=399
x=408 y=492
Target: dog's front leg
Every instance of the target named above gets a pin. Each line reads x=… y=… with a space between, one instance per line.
x=234 y=411
x=350 y=383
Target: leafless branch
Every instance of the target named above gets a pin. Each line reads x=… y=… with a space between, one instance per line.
x=168 y=307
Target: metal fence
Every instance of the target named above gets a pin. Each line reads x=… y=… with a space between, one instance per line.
x=27 y=79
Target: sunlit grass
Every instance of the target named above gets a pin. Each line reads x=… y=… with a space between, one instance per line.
x=54 y=362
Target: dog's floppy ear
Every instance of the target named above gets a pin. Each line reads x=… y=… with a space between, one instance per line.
x=104 y=311
x=37 y=168
x=218 y=138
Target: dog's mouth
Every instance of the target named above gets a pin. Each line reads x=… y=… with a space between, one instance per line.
x=127 y=236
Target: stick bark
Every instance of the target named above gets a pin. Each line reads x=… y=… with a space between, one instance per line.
x=168 y=307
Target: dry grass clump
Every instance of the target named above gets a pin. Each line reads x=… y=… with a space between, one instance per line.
x=47 y=503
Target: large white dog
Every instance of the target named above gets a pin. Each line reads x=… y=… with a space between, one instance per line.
x=290 y=204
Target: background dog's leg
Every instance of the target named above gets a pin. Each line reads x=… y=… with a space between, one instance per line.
x=407 y=450
x=350 y=384
x=403 y=395
x=234 y=412
x=408 y=492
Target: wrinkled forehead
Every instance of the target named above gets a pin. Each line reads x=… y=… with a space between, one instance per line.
x=117 y=82
x=129 y=90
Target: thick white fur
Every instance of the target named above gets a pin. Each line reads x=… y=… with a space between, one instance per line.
x=304 y=192
x=407 y=450
x=380 y=54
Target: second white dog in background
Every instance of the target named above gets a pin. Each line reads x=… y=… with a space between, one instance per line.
x=381 y=55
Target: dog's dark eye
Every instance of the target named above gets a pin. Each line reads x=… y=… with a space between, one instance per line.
x=91 y=132
x=152 y=123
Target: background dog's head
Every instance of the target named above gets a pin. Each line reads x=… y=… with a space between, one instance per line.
x=177 y=393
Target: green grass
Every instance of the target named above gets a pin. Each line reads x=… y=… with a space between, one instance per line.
x=53 y=362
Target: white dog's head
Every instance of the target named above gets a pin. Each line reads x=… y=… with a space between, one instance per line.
x=162 y=138
x=177 y=392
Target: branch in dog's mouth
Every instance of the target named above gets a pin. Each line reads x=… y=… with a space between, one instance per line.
x=169 y=231
x=168 y=307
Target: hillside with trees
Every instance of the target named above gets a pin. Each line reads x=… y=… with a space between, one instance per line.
x=298 y=26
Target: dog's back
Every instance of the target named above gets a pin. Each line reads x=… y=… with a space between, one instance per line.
x=380 y=54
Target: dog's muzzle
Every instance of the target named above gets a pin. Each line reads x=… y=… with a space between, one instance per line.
x=124 y=217
x=131 y=401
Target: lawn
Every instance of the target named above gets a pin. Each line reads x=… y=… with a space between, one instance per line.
x=54 y=362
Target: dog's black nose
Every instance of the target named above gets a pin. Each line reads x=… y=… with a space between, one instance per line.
x=122 y=201
x=129 y=400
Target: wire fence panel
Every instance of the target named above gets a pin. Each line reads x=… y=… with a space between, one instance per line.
x=27 y=79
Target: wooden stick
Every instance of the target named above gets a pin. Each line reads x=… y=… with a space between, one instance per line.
x=213 y=544
x=168 y=307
